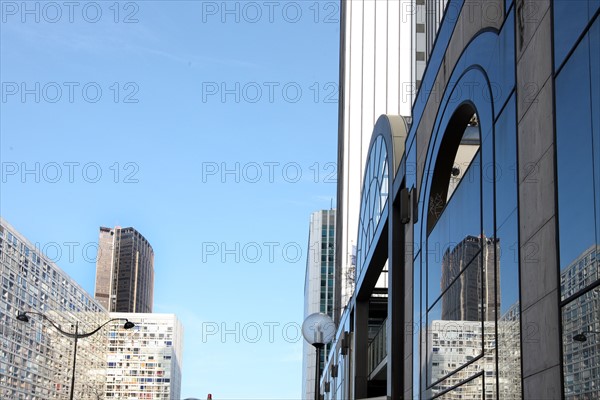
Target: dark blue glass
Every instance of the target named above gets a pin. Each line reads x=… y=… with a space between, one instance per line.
x=593 y=6
x=508 y=257
x=506 y=163
x=416 y=325
x=509 y=328
x=501 y=67
x=455 y=238
x=575 y=156
x=487 y=182
x=594 y=34
x=570 y=19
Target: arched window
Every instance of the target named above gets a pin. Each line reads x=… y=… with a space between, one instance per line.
x=374 y=198
x=460 y=146
x=461 y=268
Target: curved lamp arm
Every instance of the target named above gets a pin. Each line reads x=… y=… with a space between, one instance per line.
x=581 y=337
x=23 y=317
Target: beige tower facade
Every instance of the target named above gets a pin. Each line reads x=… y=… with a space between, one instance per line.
x=124 y=271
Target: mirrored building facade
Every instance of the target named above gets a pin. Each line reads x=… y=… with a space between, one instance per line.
x=484 y=208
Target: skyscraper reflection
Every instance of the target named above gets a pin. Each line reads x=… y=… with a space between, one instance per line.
x=462 y=343
x=581 y=360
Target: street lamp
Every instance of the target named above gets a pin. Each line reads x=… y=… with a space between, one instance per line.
x=581 y=337
x=318 y=329
x=23 y=317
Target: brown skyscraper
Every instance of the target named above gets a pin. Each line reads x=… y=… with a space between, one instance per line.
x=124 y=271
x=469 y=275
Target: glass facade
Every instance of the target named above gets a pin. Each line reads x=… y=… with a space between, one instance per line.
x=327 y=243
x=577 y=82
x=494 y=212
x=472 y=338
x=374 y=198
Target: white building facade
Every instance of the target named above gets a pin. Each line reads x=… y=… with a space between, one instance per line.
x=145 y=362
x=35 y=359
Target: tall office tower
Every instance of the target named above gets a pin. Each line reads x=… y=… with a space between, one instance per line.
x=468 y=273
x=124 y=271
x=145 y=363
x=35 y=359
x=319 y=286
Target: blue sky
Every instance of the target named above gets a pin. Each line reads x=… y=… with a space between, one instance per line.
x=211 y=128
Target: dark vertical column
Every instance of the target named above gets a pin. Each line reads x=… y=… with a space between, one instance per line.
x=408 y=293
x=361 y=348
x=395 y=333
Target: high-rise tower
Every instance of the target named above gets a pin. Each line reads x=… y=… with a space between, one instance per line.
x=318 y=285
x=124 y=271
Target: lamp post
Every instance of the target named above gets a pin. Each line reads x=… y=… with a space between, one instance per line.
x=23 y=317
x=581 y=337
x=318 y=329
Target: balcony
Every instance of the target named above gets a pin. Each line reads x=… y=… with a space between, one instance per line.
x=377 y=354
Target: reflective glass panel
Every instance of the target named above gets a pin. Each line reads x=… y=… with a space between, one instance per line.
x=581 y=346
x=506 y=162
x=374 y=198
x=454 y=241
x=594 y=35
x=509 y=332
x=471 y=390
x=454 y=325
x=570 y=18
x=575 y=159
x=578 y=151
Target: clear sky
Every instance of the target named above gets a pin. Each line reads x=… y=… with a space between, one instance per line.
x=210 y=127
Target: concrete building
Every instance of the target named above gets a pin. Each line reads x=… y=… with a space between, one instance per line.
x=526 y=74
x=35 y=359
x=318 y=286
x=124 y=271
x=145 y=363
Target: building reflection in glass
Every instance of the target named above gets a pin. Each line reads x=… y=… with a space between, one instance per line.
x=581 y=359
x=462 y=340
